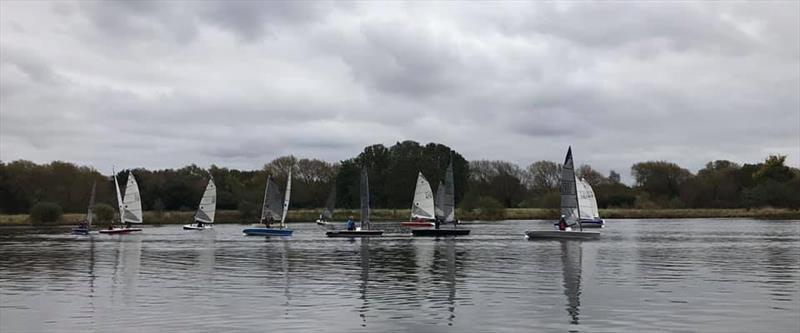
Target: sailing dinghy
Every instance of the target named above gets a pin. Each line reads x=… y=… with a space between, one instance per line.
x=272 y=210
x=327 y=212
x=204 y=218
x=448 y=203
x=86 y=226
x=590 y=215
x=570 y=208
x=423 y=208
x=364 y=230
x=130 y=208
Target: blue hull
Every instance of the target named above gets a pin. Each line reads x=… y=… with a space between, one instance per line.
x=598 y=223
x=267 y=232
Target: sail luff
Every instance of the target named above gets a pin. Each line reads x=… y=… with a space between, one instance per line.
x=132 y=202
x=364 y=198
x=264 y=203
x=286 y=199
x=449 y=203
x=208 y=204
x=423 y=205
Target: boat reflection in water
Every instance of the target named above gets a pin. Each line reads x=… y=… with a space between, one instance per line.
x=571 y=261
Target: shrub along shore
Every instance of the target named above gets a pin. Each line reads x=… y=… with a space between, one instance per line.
x=310 y=215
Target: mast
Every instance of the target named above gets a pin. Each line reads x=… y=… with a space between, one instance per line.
x=90 y=212
x=286 y=199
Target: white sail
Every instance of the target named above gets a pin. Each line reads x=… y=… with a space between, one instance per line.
x=449 y=202
x=90 y=212
x=423 y=207
x=569 y=198
x=286 y=199
x=208 y=204
x=119 y=197
x=132 y=203
x=587 y=201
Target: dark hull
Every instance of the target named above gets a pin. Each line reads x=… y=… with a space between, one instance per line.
x=80 y=231
x=119 y=231
x=578 y=235
x=267 y=232
x=417 y=224
x=599 y=223
x=439 y=232
x=354 y=233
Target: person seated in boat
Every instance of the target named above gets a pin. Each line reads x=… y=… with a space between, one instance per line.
x=350 y=224
x=562 y=223
x=127 y=225
x=199 y=224
x=83 y=225
x=436 y=223
x=267 y=223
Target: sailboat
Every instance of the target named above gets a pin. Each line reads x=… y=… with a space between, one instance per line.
x=204 y=218
x=570 y=208
x=327 y=212
x=130 y=208
x=364 y=230
x=448 y=211
x=272 y=210
x=423 y=208
x=590 y=215
x=86 y=225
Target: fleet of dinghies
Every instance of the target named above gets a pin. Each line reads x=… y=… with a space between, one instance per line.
x=429 y=211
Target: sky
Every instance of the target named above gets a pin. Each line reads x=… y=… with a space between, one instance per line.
x=237 y=84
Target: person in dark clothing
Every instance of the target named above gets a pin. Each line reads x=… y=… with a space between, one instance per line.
x=350 y=224
x=562 y=223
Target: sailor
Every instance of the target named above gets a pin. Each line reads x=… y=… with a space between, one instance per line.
x=562 y=223
x=350 y=224
x=199 y=224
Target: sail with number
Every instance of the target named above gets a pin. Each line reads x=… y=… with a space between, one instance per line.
x=286 y=199
x=569 y=198
x=364 y=199
x=90 y=212
x=449 y=200
x=438 y=202
x=423 y=207
x=132 y=203
x=327 y=212
x=587 y=200
x=271 y=209
x=208 y=204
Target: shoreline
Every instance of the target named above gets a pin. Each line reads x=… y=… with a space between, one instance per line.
x=384 y=215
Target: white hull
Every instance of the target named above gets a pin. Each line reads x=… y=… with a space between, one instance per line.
x=195 y=227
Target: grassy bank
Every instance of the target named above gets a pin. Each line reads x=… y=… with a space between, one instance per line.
x=308 y=215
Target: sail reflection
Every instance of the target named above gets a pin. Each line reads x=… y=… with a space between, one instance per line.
x=126 y=267
x=571 y=260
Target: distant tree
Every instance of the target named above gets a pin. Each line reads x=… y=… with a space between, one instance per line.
x=543 y=176
x=591 y=175
x=104 y=214
x=500 y=180
x=45 y=213
x=614 y=177
x=661 y=180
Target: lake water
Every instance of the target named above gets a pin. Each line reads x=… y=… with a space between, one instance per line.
x=643 y=275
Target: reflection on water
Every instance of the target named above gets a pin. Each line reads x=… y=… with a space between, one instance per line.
x=677 y=275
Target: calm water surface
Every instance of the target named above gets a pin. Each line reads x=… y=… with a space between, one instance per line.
x=643 y=275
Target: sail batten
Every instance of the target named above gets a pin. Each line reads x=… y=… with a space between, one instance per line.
x=132 y=202
x=423 y=205
x=208 y=204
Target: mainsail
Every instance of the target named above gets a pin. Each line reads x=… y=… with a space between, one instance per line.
x=271 y=209
x=327 y=213
x=423 y=207
x=208 y=204
x=569 y=197
x=449 y=200
x=286 y=199
x=132 y=203
x=586 y=200
x=90 y=212
x=438 y=202
x=119 y=197
x=364 y=199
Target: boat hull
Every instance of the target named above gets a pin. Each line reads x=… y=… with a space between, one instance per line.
x=439 y=232
x=354 y=233
x=267 y=232
x=582 y=235
x=417 y=224
x=195 y=227
x=320 y=222
x=80 y=231
x=119 y=231
x=598 y=223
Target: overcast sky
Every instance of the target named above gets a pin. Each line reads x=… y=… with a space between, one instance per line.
x=146 y=84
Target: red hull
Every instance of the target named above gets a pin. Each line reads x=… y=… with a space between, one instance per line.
x=417 y=224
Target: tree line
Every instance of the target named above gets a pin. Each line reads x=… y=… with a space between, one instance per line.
x=392 y=171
